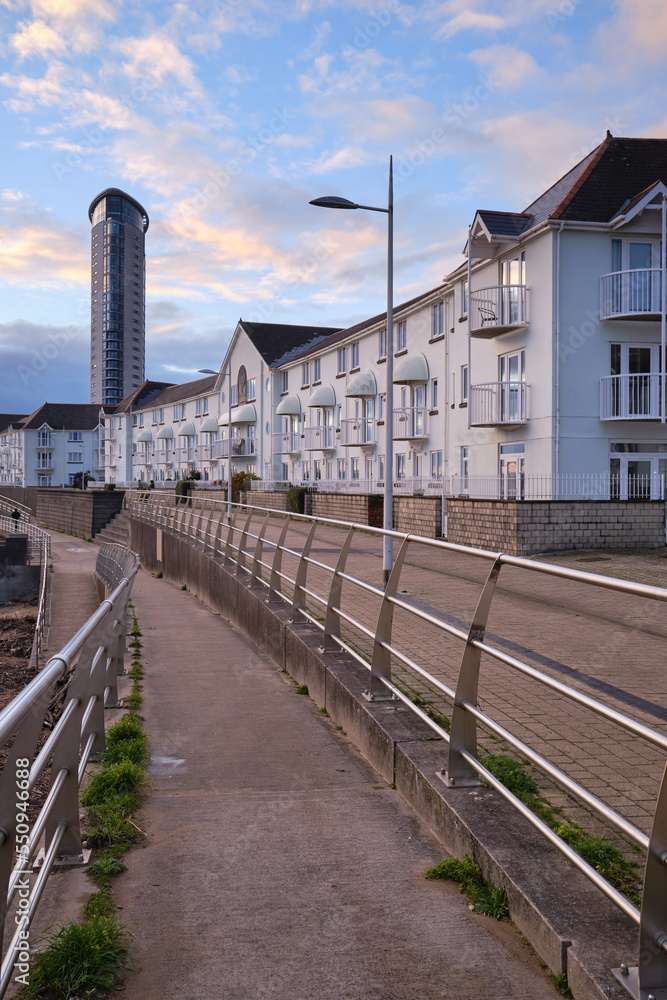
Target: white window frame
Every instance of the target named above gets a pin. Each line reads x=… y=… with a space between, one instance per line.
x=340 y=361
x=317 y=369
x=354 y=355
x=402 y=335
x=382 y=344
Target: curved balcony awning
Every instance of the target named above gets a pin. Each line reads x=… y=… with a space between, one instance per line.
x=324 y=395
x=244 y=414
x=209 y=426
x=413 y=368
x=166 y=434
x=187 y=430
x=223 y=420
x=6 y=451
x=145 y=436
x=362 y=384
x=289 y=406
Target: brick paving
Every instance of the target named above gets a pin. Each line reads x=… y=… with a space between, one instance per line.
x=608 y=645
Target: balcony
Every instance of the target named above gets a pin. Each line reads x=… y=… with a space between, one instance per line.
x=184 y=455
x=630 y=397
x=320 y=438
x=165 y=457
x=241 y=448
x=45 y=441
x=357 y=431
x=143 y=458
x=498 y=309
x=410 y=423
x=203 y=452
x=286 y=444
x=631 y=295
x=498 y=404
x=44 y=464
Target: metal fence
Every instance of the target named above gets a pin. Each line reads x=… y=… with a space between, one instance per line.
x=582 y=486
x=247 y=545
x=89 y=664
x=39 y=551
x=9 y=506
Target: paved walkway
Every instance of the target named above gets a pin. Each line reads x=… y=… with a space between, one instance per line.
x=273 y=867
x=74 y=599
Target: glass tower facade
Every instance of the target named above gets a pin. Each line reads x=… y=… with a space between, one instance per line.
x=118 y=294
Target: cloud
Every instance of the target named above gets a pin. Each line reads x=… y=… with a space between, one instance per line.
x=507 y=64
x=42 y=361
x=37 y=39
x=40 y=251
x=157 y=55
x=641 y=28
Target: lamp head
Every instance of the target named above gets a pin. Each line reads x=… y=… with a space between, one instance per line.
x=332 y=201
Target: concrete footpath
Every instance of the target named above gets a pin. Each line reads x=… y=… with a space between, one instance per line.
x=73 y=594
x=274 y=866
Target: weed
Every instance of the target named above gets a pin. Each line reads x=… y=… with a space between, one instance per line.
x=393 y=784
x=184 y=586
x=99 y=904
x=302 y=689
x=324 y=712
x=134 y=700
x=80 y=958
x=512 y=775
x=104 y=870
x=339 y=728
x=377 y=786
x=485 y=897
x=158 y=575
x=560 y=982
x=121 y=780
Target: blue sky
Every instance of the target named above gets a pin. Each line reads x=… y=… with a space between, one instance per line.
x=224 y=118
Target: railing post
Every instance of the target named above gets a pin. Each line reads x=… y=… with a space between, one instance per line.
x=207 y=536
x=216 y=540
x=463 y=735
x=332 y=620
x=650 y=977
x=299 y=598
x=275 y=585
x=256 y=575
x=381 y=662
x=230 y=534
x=240 y=557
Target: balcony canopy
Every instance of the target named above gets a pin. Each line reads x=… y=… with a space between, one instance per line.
x=166 y=434
x=362 y=384
x=223 y=419
x=209 y=426
x=411 y=369
x=187 y=430
x=6 y=451
x=244 y=414
x=324 y=395
x=145 y=436
x=289 y=406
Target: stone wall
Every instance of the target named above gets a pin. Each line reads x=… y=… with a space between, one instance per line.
x=79 y=512
x=526 y=527
x=26 y=495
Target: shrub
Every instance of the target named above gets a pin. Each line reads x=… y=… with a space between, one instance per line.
x=109 y=486
x=295 y=501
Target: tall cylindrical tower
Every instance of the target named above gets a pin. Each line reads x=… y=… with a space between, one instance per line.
x=118 y=296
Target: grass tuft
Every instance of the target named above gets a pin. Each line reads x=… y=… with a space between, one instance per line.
x=486 y=898
x=158 y=575
x=561 y=984
x=104 y=870
x=302 y=689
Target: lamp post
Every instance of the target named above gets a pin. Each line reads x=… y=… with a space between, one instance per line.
x=228 y=373
x=342 y=203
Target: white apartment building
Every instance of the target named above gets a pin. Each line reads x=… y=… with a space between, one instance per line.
x=532 y=371
x=50 y=446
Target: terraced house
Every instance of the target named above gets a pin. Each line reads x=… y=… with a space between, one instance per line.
x=50 y=446
x=532 y=372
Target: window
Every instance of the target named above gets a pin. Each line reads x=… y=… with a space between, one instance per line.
x=317 y=468
x=354 y=359
x=317 y=369
x=305 y=470
x=464 y=383
x=182 y=411
x=436 y=464
x=380 y=469
x=382 y=344
x=154 y=416
x=135 y=419
x=141 y=420
x=305 y=374
x=402 y=339
x=341 y=369
x=284 y=381
x=464 y=298
x=434 y=394
x=75 y=436
x=400 y=466
x=284 y=472
x=354 y=468
x=438 y=320
x=251 y=392
x=235 y=395
x=340 y=470
x=161 y=416
x=75 y=457
x=197 y=407
x=177 y=412
x=464 y=467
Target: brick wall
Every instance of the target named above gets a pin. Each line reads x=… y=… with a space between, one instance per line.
x=263 y=498
x=338 y=506
x=526 y=527
x=418 y=515
x=80 y=512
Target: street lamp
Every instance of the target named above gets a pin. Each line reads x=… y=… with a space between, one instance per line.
x=228 y=373
x=332 y=201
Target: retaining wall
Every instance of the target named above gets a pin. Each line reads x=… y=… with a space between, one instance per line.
x=80 y=512
x=524 y=527
x=572 y=926
x=26 y=495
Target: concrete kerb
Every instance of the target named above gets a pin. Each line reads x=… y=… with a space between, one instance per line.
x=571 y=925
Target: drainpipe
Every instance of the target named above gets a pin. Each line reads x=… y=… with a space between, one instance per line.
x=261 y=420
x=663 y=308
x=469 y=304
x=557 y=381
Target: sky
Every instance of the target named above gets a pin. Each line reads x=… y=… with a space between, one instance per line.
x=224 y=118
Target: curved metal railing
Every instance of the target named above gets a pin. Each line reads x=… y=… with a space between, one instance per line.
x=9 y=506
x=243 y=541
x=89 y=665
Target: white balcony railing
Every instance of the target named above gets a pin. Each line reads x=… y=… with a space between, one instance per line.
x=184 y=455
x=143 y=457
x=203 y=452
x=44 y=463
x=357 y=431
x=44 y=441
x=320 y=438
x=165 y=457
x=410 y=422
x=631 y=294
x=494 y=403
x=498 y=309
x=241 y=448
x=574 y=486
x=286 y=443
x=426 y=486
x=630 y=397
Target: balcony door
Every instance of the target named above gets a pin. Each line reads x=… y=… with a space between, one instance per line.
x=418 y=396
x=512 y=371
x=637 y=394
x=512 y=275
x=639 y=290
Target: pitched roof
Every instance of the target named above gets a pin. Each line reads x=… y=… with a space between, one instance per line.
x=501 y=224
x=64 y=416
x=6 y=419
x=280 y=342
x=140 y=396
x=177 y=393
x=341 y=335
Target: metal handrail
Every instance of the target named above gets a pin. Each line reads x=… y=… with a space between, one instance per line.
x=204 y=521
x=90 y=661
x=11 y=505
x=39 y=548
